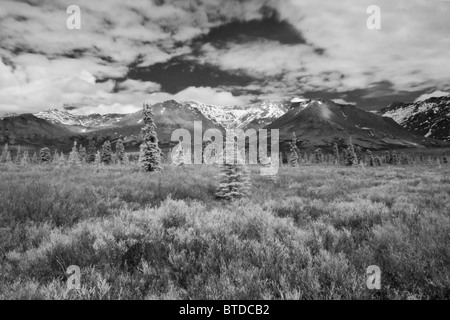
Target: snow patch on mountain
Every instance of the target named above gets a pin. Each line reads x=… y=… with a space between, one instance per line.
x=240 y=117
x=91 y=120
x=430 y=118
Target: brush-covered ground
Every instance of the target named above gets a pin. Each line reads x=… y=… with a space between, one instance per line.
x=309 y=234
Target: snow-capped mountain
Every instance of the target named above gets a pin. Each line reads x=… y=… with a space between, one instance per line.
x=91 y=120
x=7 y=115
x=429 y=118
x=254 y=116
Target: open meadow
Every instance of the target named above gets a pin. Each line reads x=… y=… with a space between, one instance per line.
x=309 y=233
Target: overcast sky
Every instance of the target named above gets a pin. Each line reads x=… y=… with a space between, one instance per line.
x=219 y=52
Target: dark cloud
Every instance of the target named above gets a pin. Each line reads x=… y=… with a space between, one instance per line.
x=179 y=73
x=270 y=28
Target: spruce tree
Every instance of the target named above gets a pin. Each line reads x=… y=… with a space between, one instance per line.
x=336 y=156
x=4 y=152
x=98 y=161
x=34 y=159
x=235 y=182
x=378 y=161
x=74 y=157
x=179 y=159
x=318 y=157
x=55 y=157
x=404 y=158
x=25 y=158
x=120 y=151
x=294 y=156
x=394 y=158
x=8 y=159
x=61 y=160
x=126 y=159
x=82 y=154
x=371 y=158
x=150 y=154
x=18 y=155
x=351 y=159
x=106 y=155
x=91 y=151
x=45 y=156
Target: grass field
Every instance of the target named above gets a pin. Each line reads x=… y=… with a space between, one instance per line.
x=309 y=234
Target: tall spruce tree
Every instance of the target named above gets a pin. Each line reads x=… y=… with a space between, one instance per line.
x=351 y=159
x=120 y=151
x=106 y=155
x=294 y=159
x=150 y=154
x=45 y=156
x=91 y=151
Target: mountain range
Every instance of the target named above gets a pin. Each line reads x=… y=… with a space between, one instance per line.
x=316 y=123
x=429 y=118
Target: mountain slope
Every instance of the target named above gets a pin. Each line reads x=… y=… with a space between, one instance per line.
x=429 y=118
x=169 y=116
x=232 y=117
x=319 y=122
x=92 y=120
x=27 y=129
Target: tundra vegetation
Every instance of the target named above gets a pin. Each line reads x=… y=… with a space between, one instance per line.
x=155 y=230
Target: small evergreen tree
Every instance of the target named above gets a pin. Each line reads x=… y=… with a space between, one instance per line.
x=336 y=155
x=106 y=155
x=4 y=152
x=371 y=158
x=126 y=159
x=444 y=159
x=294 y=151
x=34 y=159
x=394 y=158
x=351 y=158
x=378 y=161
x=120 y=151
x=318 y=156
x=91 y=151
x=61 y=160
x=45 y=156
x=18 y=155
x=8 y=159
x=150 y=154
x=74 y=157
x=82 y=154
x=235 y=182
x=404 y=158
x=25 y=158
x=55 y=157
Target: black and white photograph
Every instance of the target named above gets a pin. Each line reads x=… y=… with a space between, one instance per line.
x=201 y=151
